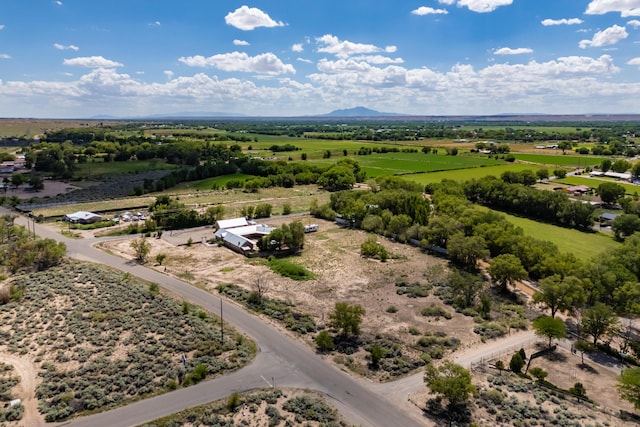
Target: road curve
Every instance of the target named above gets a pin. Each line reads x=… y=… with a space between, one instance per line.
x=282 y=359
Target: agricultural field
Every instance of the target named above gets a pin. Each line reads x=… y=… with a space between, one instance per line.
x=98 y=338
x=583 y=245
x=555 y=160
x=467 y=174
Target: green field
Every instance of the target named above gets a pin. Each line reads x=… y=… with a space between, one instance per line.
x=555 y=160
x=207 y=184
x=595 y=181
x=467 y=174
x=100 y=168
x=583 y=245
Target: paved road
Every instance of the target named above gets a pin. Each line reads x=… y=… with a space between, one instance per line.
x=281 y=358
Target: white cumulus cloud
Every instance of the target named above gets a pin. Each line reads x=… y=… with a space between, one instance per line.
x=563 y=21
x=249 y=18
x=63 y=47
x=266 y=63
x=344 y=48
x=1 y=26
x=625 y=7
x=424 y=10
x=297 y=47
x=510 y=51
x=483 y=6
x=634 y=61
x=4 y=56
x=92 y=62
x=634 y=23
x=378 y=59
x=447 y=2
x=607 y=37
x=168 y=73
x=240 y=42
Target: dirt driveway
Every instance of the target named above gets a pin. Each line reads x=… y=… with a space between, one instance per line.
x=26 y=389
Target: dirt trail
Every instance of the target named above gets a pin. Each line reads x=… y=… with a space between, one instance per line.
x=26 y=389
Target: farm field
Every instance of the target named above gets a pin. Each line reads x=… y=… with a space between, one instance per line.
x=467 y=174
x=583 y=245
x=555 y=160
x=209 y=183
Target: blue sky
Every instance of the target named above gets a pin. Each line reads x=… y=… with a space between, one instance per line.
x=82 y=58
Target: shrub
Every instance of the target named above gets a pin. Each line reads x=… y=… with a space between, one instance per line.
x=435 y=311
x=516 y=364
x=392 y=309
x=324 y=341
x=233 y=402
x=289 y=269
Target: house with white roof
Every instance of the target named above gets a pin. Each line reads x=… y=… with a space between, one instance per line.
x=241 y=235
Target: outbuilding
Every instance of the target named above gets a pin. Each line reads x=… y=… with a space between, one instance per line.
x=83 y=217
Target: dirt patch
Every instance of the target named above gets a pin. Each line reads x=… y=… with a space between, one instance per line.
x=26 y=389
x=341 y=275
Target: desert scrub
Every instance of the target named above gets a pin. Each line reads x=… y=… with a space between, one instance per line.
x=305 y=407
x=413 y=290
x=434 y=310
x=81 y=313
x=282 y=311
x=491 y=330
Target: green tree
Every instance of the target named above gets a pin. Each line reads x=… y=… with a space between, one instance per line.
x=141 y=248
x=324 y=341
x=559 y=294
x=214 y=213
x=605 y=165
x=598 y=321
x=506 y=269
x=625 y=225
x=564 y=145
x=610 y=192
x=337 y=178
x=377 y=353
x=620 y=166
x=36 y=182
x=347 y=318
x=584 y=347
x=160 y=258
x=516 y=363
x=17 y=179
x=539 y=373
x=629 y=386
x=465 y=287
x=579 y=391
x=452 y=381
x=466 y=251
x=542 y=174
x=549 y=327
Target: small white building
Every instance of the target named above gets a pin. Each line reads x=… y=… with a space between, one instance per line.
x=82 y=217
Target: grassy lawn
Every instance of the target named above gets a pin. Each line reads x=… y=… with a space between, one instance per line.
x=100 y=168
x=595 y=181
x=583 y=245
x=555 y=160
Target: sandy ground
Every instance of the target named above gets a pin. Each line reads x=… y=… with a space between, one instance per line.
x=26 y=389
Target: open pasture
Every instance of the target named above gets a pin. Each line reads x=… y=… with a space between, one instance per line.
x=559 y=160
x=467 y=174
x=583 y=245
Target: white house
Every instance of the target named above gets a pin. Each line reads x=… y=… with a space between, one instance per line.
x=83 y=217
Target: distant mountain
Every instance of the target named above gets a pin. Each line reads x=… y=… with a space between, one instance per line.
x=358 y=112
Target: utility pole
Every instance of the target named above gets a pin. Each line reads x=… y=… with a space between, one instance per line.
x=221 y=324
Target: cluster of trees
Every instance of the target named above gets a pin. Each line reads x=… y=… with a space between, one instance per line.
x=20 y=251
x=521 y=199
x=288 y=237
x=171 y=214
x=393 y=208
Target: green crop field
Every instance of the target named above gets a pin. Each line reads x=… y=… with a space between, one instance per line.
x=583 y=245
x=467 y=174
x=554 y=160
x=593 y=182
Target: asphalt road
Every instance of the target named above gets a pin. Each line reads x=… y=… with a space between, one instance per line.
x=282 y=359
